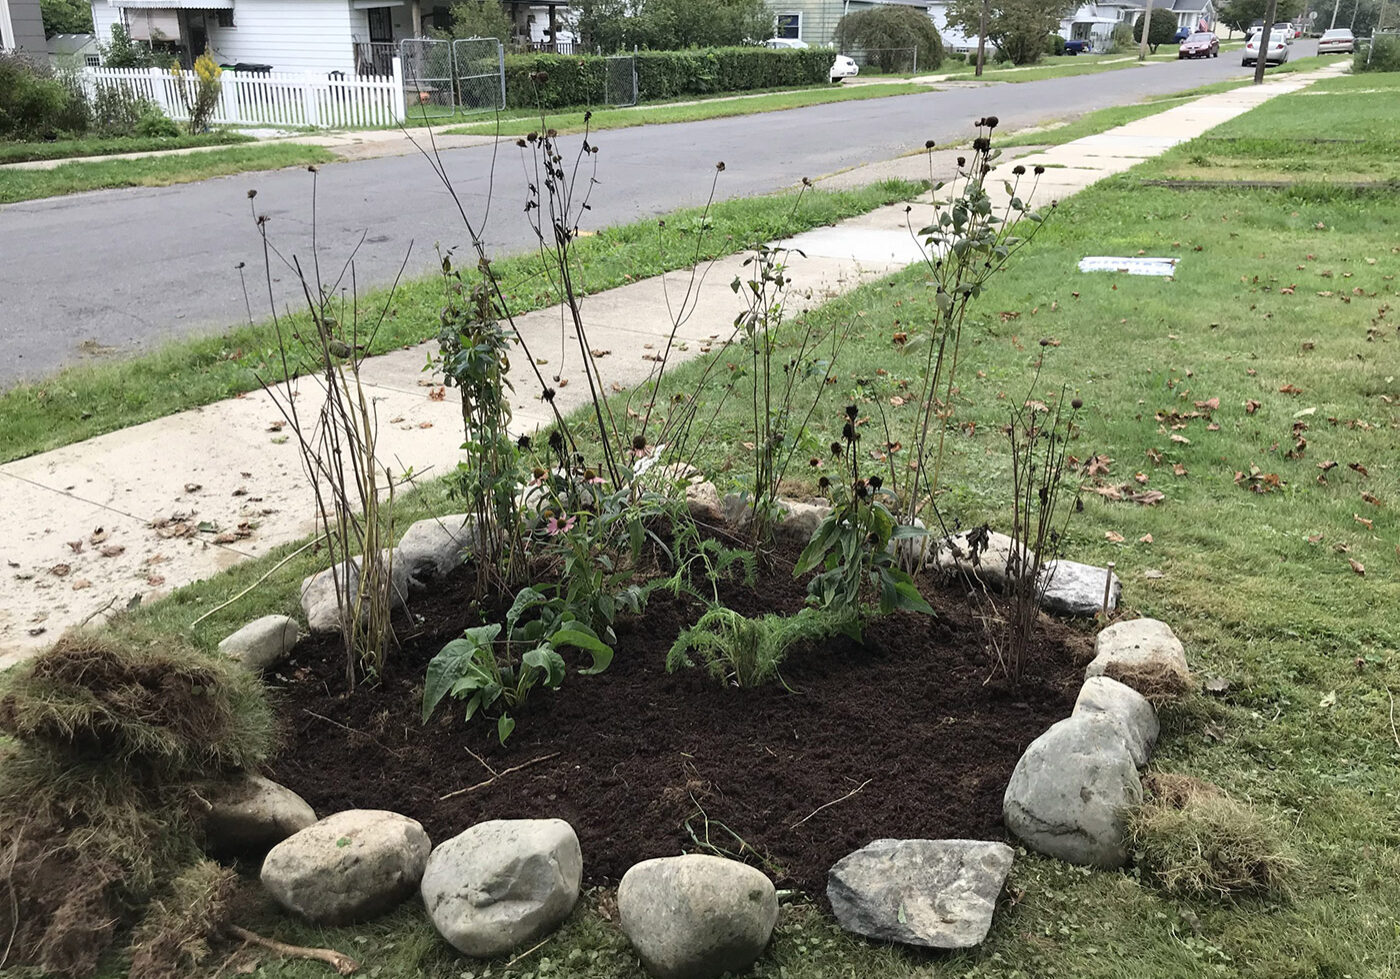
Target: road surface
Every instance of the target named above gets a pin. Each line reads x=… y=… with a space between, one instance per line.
x=123 y=270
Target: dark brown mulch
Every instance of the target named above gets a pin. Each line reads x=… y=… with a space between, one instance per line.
x=645 y=764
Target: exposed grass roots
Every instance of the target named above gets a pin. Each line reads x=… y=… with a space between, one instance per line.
x=173 y=937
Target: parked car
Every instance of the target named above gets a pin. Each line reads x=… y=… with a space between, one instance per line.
x=784 y=42
x=1182 y=33
x=844 y=67
x=1339 y=41
x=1202 y=45
x=1078 y=46
x=1276 y=55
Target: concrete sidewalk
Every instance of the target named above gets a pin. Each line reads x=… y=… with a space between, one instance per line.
x=141 y=511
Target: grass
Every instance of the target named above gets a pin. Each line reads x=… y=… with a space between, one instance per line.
x=156 y=171
x=91 y=399
x=519 y=122
x=1277 y=305
x=62 y=149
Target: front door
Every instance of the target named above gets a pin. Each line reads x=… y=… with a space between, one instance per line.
x=381 y=25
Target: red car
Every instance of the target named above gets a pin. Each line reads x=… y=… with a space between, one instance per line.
x=1203 y=45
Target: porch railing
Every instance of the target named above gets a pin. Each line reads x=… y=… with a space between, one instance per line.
x=375 y=57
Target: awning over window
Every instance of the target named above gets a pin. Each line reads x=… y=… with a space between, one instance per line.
x=371 y=4
x=173 y=4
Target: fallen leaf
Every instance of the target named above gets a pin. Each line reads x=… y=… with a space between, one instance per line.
x=155 y=580
x=1182 y=439
x=1372 y=499
x=193 y=487
x=1330 y=697
x=438 y=394
x=425 y=424
x=97 y=536
x=1290 y=389
x=1362 y=520
x=897 y=401
x=1141 y=478
x=1217 y=685
x=81 y=583
x=1327 y=465
x=1358 y=467
x=599 y=353
x=1145 y=539
x=1356 y=565
x=1213 y=427
x=1113 y=537
x=1209 y=404
x=112 y=550
x=1178 y=469
x=1314 y=538
x=227 y=537
x=60 y=570
x=76 y=546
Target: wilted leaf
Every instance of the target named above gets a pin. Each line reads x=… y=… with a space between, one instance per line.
x=1113 y=537
x=60 y=570
x=1145 y=539
x=1208 y=405
x=1327 y=465
x=1330 y=697
x=1372 y=499
x=1141 y=478
x=897 y=401
x=1097 y=466
x=1356 y=565
x=1181 y=439
x=1179 y=469
x=1290 y=389
x=1217 y=685
x=193 y=487
x=112 y=550
x=81 y=584
x=1358 y=467
x=1362 y=520
x=437 y=394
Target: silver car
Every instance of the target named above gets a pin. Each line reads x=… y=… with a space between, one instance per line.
x=1339 y=41
x=1279 y=43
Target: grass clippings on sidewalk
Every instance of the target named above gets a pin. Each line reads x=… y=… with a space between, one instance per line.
x=519 y=123
x=91 y=399
x=154 y=171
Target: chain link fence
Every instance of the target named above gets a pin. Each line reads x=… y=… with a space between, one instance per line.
x=886 y=61
x=480 y=64
x=428 y=77
x=620 y=81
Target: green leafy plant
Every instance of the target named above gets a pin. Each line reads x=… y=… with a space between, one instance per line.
x=886 y=33
x=745 y=652
x=852 y=545
x=485 y=668
x=199 y=89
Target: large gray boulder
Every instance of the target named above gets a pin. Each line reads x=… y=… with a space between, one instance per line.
x=432 y=548
x=1146 y=655
x=250 y=815
x=318 y=593
x=1069 y=793
x=985 y=556
x=1101 y=695
x=502 y=884
x=348 y=867
x=696 y=916
x=932 y=893
x=262 y=643
x=1077 y=589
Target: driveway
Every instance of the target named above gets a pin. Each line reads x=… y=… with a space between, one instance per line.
x=114 y=272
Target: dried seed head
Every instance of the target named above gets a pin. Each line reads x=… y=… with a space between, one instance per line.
x=876 y=482
x=548 y=394
x=981 y=144
x=252 y=194
x=1038 y=170
x=962 y=161
x=851 y=412
x=928 y=144
x=992 y=122
x=824 y=483
x=556 y=440
x=836 y=448
x=1077 y=403
x=720 y=166
x=1018 y=170
x=639 y=442
x=848 y=432
x=520 y=143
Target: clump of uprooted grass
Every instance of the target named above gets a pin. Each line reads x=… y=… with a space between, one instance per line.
x=172 y=939
x=99 y=807
x=1196 y=841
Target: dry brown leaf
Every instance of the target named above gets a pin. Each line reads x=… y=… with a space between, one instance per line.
x=1327 y=465
x=1358 y=467
x=1181 y=439
x=1178 y=469
x=897 y=401
x=1141 y=478
x=1145 y=539
x=60 y=570
x=1356 y=565
x=1372 y=499
x=155 y=580
x=112 y=550
x=1113 y=537
x=1208 y=405
x=193 y=487
x=425 y=424
x=1213 y=427
x=1290 y=389
x=76 y=546
x=81 y=583
x=438 y=394
x=1362 y=520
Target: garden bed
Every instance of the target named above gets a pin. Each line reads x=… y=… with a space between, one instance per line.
x=646 y=764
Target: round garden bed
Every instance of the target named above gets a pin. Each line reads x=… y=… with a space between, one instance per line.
x=904 y=729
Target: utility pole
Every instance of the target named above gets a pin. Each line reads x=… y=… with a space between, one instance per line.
x=1261 y=61
x=982 y=38
x=1335 y=7
x=1146 y=29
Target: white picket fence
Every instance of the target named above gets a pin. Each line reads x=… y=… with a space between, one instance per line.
x=278 y=98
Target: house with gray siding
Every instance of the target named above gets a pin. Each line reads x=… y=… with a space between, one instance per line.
x=22 y=27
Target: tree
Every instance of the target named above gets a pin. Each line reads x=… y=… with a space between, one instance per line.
x=888 y=31
x=123 y=52
x=1017 y=27
x=66 y=17
x=481 y=18
x=1242 y=14
x=1162 y=31
x=669 y=25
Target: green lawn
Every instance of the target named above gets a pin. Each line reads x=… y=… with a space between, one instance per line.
x=102 y=397
x=62 y=149
x=156 y=171
x=518 y=123
x=1283 y=309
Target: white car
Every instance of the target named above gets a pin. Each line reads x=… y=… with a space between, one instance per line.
x=1339 y=41
x=784 y=42
x=844 y=67
x=1276 y=55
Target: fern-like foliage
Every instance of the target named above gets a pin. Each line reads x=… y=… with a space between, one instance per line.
x=736 y=649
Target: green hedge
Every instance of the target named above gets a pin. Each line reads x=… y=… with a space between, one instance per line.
x=1384 y=57
x=563 y=81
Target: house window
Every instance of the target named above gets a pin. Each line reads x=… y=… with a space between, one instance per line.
x=92 y=60
x=789 y=26
x=224 y=18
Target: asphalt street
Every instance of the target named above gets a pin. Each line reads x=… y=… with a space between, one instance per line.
x=122 y=270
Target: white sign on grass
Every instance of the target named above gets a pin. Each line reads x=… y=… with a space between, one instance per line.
x=1132 y=266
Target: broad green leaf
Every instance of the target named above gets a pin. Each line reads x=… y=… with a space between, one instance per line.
x=548 y=662
x=577 y=634
x=526 y=598
x=504 y=725
x=452 y=663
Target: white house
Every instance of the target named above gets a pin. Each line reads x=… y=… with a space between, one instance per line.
x=22 y=27
x=954 y=40
x=321 y=36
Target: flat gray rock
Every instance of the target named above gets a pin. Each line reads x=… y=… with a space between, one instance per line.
x=696 y=916
x=503 y=883
x=1068 y=794
x=349 y=867
x=797 y=523
x=318 y=595
x=432 y=548
x=1077 y=589
x=263 y=642
x=1102 y=695
x=931 y=893
x=983 y=555
x=1144 y=654
x=250 y=815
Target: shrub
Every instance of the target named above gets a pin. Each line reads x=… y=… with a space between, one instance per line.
x=122 y=52
x=1122 y=39
x=1161 y=31
x=1196 y=841
x=1381 y=53
x=886 y=30
x=154 y=123
x=481 y=18
x=117 y=110
x=34 y=104
x=550 y=81
x=1054 y=45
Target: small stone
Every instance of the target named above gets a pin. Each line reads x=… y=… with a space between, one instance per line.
x=250 y=815
x=1077 y=589
x=704 y=504
x=432 y=548
x=1146 y=655
x=696 y=916
x=318 y=593
x=1103 y=695
x=262 y=643
x=348 y=867
x=931 y=893
x=980 y=554
x=1069 y=792
x=503 y=883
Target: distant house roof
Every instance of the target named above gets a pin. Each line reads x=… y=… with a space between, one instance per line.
x=1190 y=6
x=70 y=43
